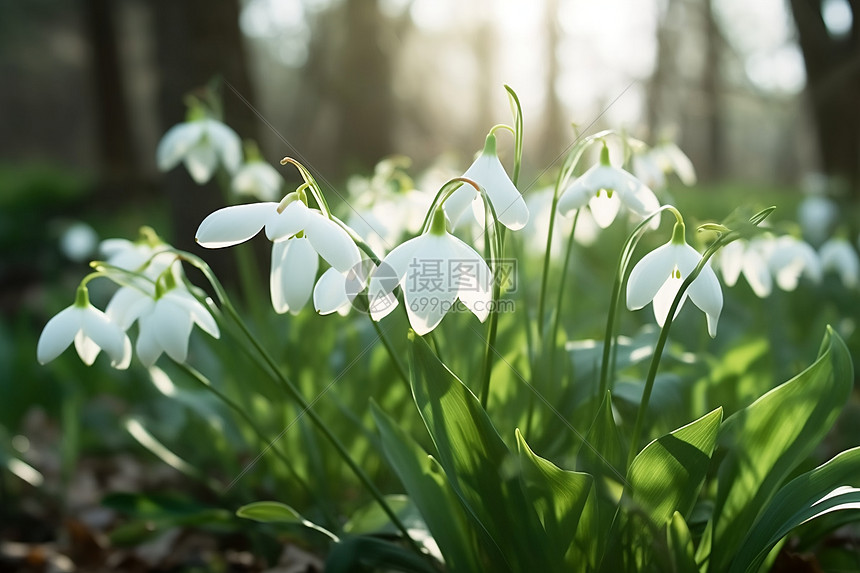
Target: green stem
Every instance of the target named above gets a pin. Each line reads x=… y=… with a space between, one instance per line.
x=664 y=336
x=560 y=300
x=497 y=245
x=230 y=403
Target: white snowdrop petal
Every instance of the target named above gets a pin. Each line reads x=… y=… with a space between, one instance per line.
x=176 y=143
x=604 y=208
x=258 y=179
x=87 y=349
x=147 y=347
x=201 y=161
x=108 y=335
x=331 y=242
x=227 y=143
x=58 y=334
x=507 y=201
x=649 y=275
x=731 y=258
x=294 y=269
x=233 y=225
x=126 y=305
x=574 y=197
x=665 y=297
x=475 y=285
x=199 y=314
x=172 y=326
x=756 y=272
x=288 y=222
x=459 y=202
x=330 y=292
x=387 y=276
x=705 y=292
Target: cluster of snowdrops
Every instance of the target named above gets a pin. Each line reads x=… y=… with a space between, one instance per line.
x=460 y=235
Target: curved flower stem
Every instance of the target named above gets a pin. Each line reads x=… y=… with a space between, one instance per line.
x=497 y=246
x=664 y=336
x=297 y=397
x=312 y=183
x=517 y=131
x=553 y=338
x=607 y=365
x=230 y=403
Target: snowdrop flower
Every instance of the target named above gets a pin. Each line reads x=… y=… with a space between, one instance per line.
x=658 y=276
x=838 y=255
x=383 y=224
x=670 y=159
x=258 y=179
x=300 y=234
x=790 y=259
x=605 y=189
x=91 y=331
x=536 y=229
x=487 y=171
x=201 y=144
x=166 y=322
x=817 y=215
x=751 y=259
x=434 y=269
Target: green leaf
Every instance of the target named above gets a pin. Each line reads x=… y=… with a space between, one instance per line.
x=276 y=512
x=680 y=543
x=833 y=486
x=481 y=469
x=429 y=490
x=769 y=438
x=370 y=554
x=667 y=475
x=560 y=497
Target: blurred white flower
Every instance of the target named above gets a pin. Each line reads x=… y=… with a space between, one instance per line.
x=201 y=144
x=300 y=234
x=605 y=189
x=435 y=270
x=751 y=259
x=536 y=229
x=91 y=331
x=658 y=276
x=838 y=255
x=817 y=215
x=79 y=241
x=386 y=219
x=790 y=259
x=258 y=179
x=487 y=171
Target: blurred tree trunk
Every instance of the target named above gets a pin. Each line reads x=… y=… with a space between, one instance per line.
x=363 y=84
x=662 y=72
x=556 y=131
x=196 y=41
x=833 y=85
x=119 y=170
x=712 y=87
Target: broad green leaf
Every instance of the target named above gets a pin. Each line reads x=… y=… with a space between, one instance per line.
x=768 y=439
x=481 y=469
x=680 y=543
x=363 y=553
x=559 y=497
x=429 y=490
x=276 y=512
x=834 y=486
x=667 y=475
x=602 y=454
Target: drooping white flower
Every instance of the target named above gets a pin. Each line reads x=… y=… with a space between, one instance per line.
x=749 y=257
x=258 y=179
x=837 y=254
x=165 y=324
x=487 y=171
x=537 y=228
x=201 y=144
x=386 y=218
x=605 y=189
x=670 y=159
x=435 y=270
x=90 y=330
x=790 y=259
x=300 y=236
x=658 y=277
